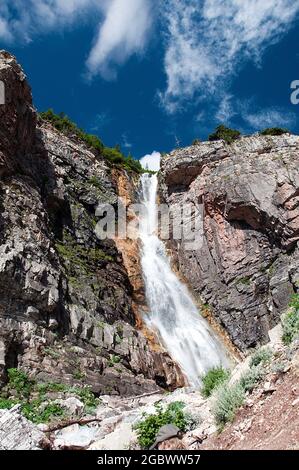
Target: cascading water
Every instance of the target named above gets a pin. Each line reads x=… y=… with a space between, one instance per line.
x=172 y=313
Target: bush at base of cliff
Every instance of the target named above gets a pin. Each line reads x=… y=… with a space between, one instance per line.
x=230 y=398
x=213 y=379
x=251 y=378
x=262 y=356
x=148 y=428
x=290 y=322
x=228 y=401
x=225 y=133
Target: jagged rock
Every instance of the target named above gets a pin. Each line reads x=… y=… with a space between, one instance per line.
x=245 y=265
x=17 y=433
x=66 y=307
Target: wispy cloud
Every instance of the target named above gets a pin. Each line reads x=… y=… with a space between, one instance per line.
x=4 y=30
x=205 y=41
x=24 y=20
x=125 y=142
x=209 y=40
x=123 y=33
x=100 y=121
x=226 y=109
x=269 y=117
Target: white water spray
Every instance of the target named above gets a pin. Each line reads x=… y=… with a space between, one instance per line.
x=173 y=315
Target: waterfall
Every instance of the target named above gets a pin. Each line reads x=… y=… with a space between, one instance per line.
x=182 y=330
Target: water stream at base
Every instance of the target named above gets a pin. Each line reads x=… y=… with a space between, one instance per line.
x=184 y=333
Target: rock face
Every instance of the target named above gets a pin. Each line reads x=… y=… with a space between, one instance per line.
x=246 y=265
x=65 y=296
x=17 y=433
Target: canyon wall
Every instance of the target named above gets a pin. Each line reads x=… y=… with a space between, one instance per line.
x=70 y=303
x=66 y=298
x=245 y=266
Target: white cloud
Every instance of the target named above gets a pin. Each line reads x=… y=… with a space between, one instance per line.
x=123 y=26
x=151 y=161
x=4 y=30
x=123 y=33
x=226 y=109
x=207 y=41
x=26 y=19
x=270 y=117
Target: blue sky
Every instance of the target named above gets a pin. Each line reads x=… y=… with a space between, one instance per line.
x=153 y=74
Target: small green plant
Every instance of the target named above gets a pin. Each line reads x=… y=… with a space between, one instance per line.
x=6 y=403
x=148 y=428
x=20 y=382
x=43 y=388
x=228 y=401
x=78 y=375
x=252 y=378
x=290 y=321
x=279 y=367
x=80 y=258
x=96 y=182
x=113 y=360
x=86 y=396
x=213 y=379
x=35 y=412
x=262 y=356
x=225 y=133
x=274 y=131
x=244 y=280
x=196 y=142
x=52 y=353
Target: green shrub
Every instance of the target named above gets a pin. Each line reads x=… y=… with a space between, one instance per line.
x=279 y=367
x=213 y=379
x=20 y=382
x=35 y=412
x=86 y=396
x=228 y=401
x=225 y=133
x=114 y=359
x=43 y=388
x=290 y=321
x=262 y=356
x=78 y=374
x=114 y=155
x=196 y=142
x=148 y=428
x=6 y=404
x=251 y=378
x=274 y=131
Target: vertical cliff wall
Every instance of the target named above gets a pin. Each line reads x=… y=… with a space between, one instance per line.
x=66 y=298
x=246 y=267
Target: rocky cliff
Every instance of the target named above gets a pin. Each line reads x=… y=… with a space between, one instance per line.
x=246 y=266
x=65 y=297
